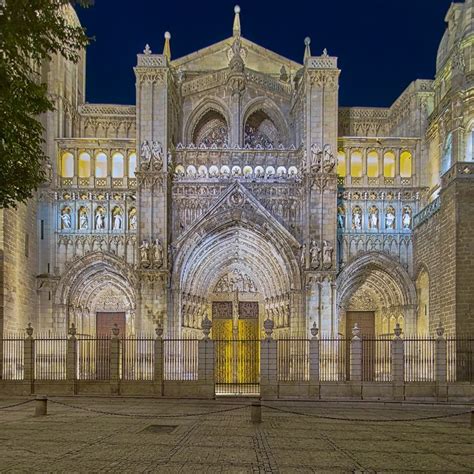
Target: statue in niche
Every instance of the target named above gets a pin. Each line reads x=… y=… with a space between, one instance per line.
x=83 y=219
x=357 y=218
x=145 y=153
x=132 y=219
x=316 y=153
x=145 y=254
x=327 y=254
x=315 y=254
x=66 y=218
x=328 y=159
x=157 y=253
x=99 y=218
x=341 y=217
x=117 y=219
x=406 y=218
x=157 y=154
x=390 y=218
x=374 y=218
x=303 y=256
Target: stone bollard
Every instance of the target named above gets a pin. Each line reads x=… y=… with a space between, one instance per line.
x=41 y=405
x=256 y=412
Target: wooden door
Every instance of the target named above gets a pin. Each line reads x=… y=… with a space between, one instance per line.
x=366 y=322
x=105 y=322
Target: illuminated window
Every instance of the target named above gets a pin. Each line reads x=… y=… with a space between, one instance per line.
x=389 y=165
x=356 y=164
x=405 y=164
x=117 y=165
x=372 y=164
x=446 y=158
x=341 y=163
x=470 y=146
x=132 y=165
x=101 y=165
x=67 y=165
x=84 y=165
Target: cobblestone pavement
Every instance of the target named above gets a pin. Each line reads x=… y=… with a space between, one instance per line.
x=74 y=440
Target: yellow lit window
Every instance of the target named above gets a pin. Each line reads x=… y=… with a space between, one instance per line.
x=372 y=164
x=405 y=164
x=356 y=164
x=389 y=165
x=84 y=165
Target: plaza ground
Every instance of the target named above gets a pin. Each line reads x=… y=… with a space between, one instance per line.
x=218 y=436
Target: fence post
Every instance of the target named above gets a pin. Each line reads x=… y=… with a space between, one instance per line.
x=158 y=361
x=268 y=361
x=314 y=388
x=398 y=364
x=206 y=361
x=29 y=360
x=71 y=358
x=355 y=375
x=115 y=361
x=441 y=365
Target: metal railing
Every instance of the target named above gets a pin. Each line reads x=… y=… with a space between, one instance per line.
x=293 y=360
x=180 y=359
x=138 y=357
x=376 y=359
x=419 y=359
x=333 y=360
x=93 y=358
x=12 y=358
x=460 y=359
x=50 y=358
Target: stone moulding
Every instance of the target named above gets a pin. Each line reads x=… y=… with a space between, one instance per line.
x=427 y=212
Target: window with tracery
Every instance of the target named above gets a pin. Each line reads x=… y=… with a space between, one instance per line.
x=211 y=130
x=260 y=131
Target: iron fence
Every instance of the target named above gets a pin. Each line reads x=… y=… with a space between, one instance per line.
x=376 y=359
x=12 y=358
x=293 y=360
x=93 y=358
x=50 y=358
x=180 y=359
x=333 y=360
x=138 y=357
x=419 y=359
x=460 y=359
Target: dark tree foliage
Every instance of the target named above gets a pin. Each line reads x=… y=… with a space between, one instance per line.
x=31 y=32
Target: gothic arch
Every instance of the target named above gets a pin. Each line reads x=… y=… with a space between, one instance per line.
x=96 y=282
x=207 y=105
x=269 y=108
x=375 y=281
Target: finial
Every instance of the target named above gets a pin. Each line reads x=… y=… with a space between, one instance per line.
x=236 y=27
x=166 y=47
x=147 y=49
x=307 y=49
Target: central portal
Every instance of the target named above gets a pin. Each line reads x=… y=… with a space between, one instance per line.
x=236 y=335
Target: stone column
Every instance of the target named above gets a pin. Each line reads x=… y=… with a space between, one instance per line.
x=71 y=358
x=206 y=362
x=268 y=364
x=29 y=361
x=314 y=388
x=158 y=366
x=356 y=362
x=441 y=365
x=398 y=364
x=115 y=361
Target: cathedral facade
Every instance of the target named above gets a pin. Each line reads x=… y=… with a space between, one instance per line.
x=236 y=189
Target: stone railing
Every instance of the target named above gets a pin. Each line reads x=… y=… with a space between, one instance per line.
x=427 y=212
x=460 y=170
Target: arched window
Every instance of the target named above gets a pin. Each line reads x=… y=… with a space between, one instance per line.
x=260 y=131
x=101 y=165
x=84 y=165
x=356 y=164
x=117 y=165
x=372 y=164
x=446 y=159
x=470 y=145
x=423 y=292
x=389 y=165
x=67 y=165
x=211 y=130
x=132 y=165
x=405 y=165
x=341 y=163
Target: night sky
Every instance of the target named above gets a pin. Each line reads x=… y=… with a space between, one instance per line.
x=382 y=45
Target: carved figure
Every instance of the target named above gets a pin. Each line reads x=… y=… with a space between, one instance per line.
x=316 y=153
x=83 y=219
x=341 y=217
x=145 y=153
x=132 y=223
x=117 y=219
x=303 y=259
x=327 y=254
x=99 y=219
x=315 y=255
x=145 y=254
x=407 y=218
x=66 y=218
x=157 y=253
x=390 y=219
x=374 y=218
x=157 y=154
x=328 y=159
x=357 y=219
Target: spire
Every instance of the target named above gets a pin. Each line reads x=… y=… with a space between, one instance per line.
x=236 y=27
x=166 y=47
x=307 y=49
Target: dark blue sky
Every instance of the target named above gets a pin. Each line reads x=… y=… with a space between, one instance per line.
x=382 y=45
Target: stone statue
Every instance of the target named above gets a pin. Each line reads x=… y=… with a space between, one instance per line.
x=327 y=254
x=374 y=218
x=145 y=153
x=83 y=219
x=157 y=154
x=406 y=218
x=157 y=253
x=356 y=219
x=99 y=219
x=390 y=219
x=65 y=219
x=303 y=256
x=315 y=254
x=133 y=220
x=117 y=220
x=145 y=254
x=316 y=157
x=341 y=217
x=328 y=159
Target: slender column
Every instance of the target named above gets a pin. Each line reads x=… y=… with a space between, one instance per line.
x=314 y=389
x=356 y=355
x=29 y=360
x=71 y=357
x=268 y=363
x=398 y=364
x=115 y=361
x=158 y=361
x=441 y=366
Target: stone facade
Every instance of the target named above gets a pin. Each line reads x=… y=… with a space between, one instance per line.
x=236 y=179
